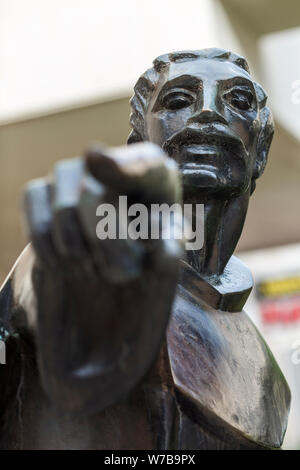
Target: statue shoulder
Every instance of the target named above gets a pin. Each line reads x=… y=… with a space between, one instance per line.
x=224 y=369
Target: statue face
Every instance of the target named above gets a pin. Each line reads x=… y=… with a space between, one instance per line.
x=204 y=114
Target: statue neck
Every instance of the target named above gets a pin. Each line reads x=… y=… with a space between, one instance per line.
x=223 y=224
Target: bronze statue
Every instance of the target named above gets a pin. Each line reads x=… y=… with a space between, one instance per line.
x=116 y=344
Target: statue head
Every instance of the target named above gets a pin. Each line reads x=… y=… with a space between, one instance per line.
x=204 y=109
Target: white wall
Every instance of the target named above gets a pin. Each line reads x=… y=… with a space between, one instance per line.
x=61 y=53
x=280 y=64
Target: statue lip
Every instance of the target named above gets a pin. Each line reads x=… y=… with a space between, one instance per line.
x=192 y=167
x=199 y=170
x=200 y=154
x=203 y=149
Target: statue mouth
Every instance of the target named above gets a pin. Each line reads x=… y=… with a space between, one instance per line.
x=195 y=155
x=199 y=168
x=209 y=157
x=191 y=167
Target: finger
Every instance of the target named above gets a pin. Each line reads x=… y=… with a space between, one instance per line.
x=66 y=230
x=38 y=220
x=118 y=259
x=141 y=169
x=92 y=194
x=167 y=246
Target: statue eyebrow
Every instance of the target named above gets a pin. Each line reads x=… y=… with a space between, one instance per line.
x=239 y=80
x=183 y=81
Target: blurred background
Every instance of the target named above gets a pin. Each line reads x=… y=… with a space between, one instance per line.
x=67 y=70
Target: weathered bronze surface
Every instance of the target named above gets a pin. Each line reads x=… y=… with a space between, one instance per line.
x=94 y=361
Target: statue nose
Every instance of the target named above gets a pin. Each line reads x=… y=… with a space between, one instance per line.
x=208 y=111
x=208 y=114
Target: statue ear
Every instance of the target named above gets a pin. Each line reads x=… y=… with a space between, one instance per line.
x=266 y=132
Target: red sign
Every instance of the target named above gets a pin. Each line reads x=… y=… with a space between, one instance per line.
x=280 y=310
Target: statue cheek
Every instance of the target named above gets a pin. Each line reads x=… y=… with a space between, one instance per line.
x=244 y=129
x=161 y=126
x=253 y=133
x=156 y=129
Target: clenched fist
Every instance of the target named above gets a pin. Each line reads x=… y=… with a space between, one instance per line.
x=103 y=297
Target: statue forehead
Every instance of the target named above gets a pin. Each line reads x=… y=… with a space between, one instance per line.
x=206 y=69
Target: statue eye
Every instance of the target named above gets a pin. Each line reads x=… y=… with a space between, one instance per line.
x=240 y=99
x=177 y=100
